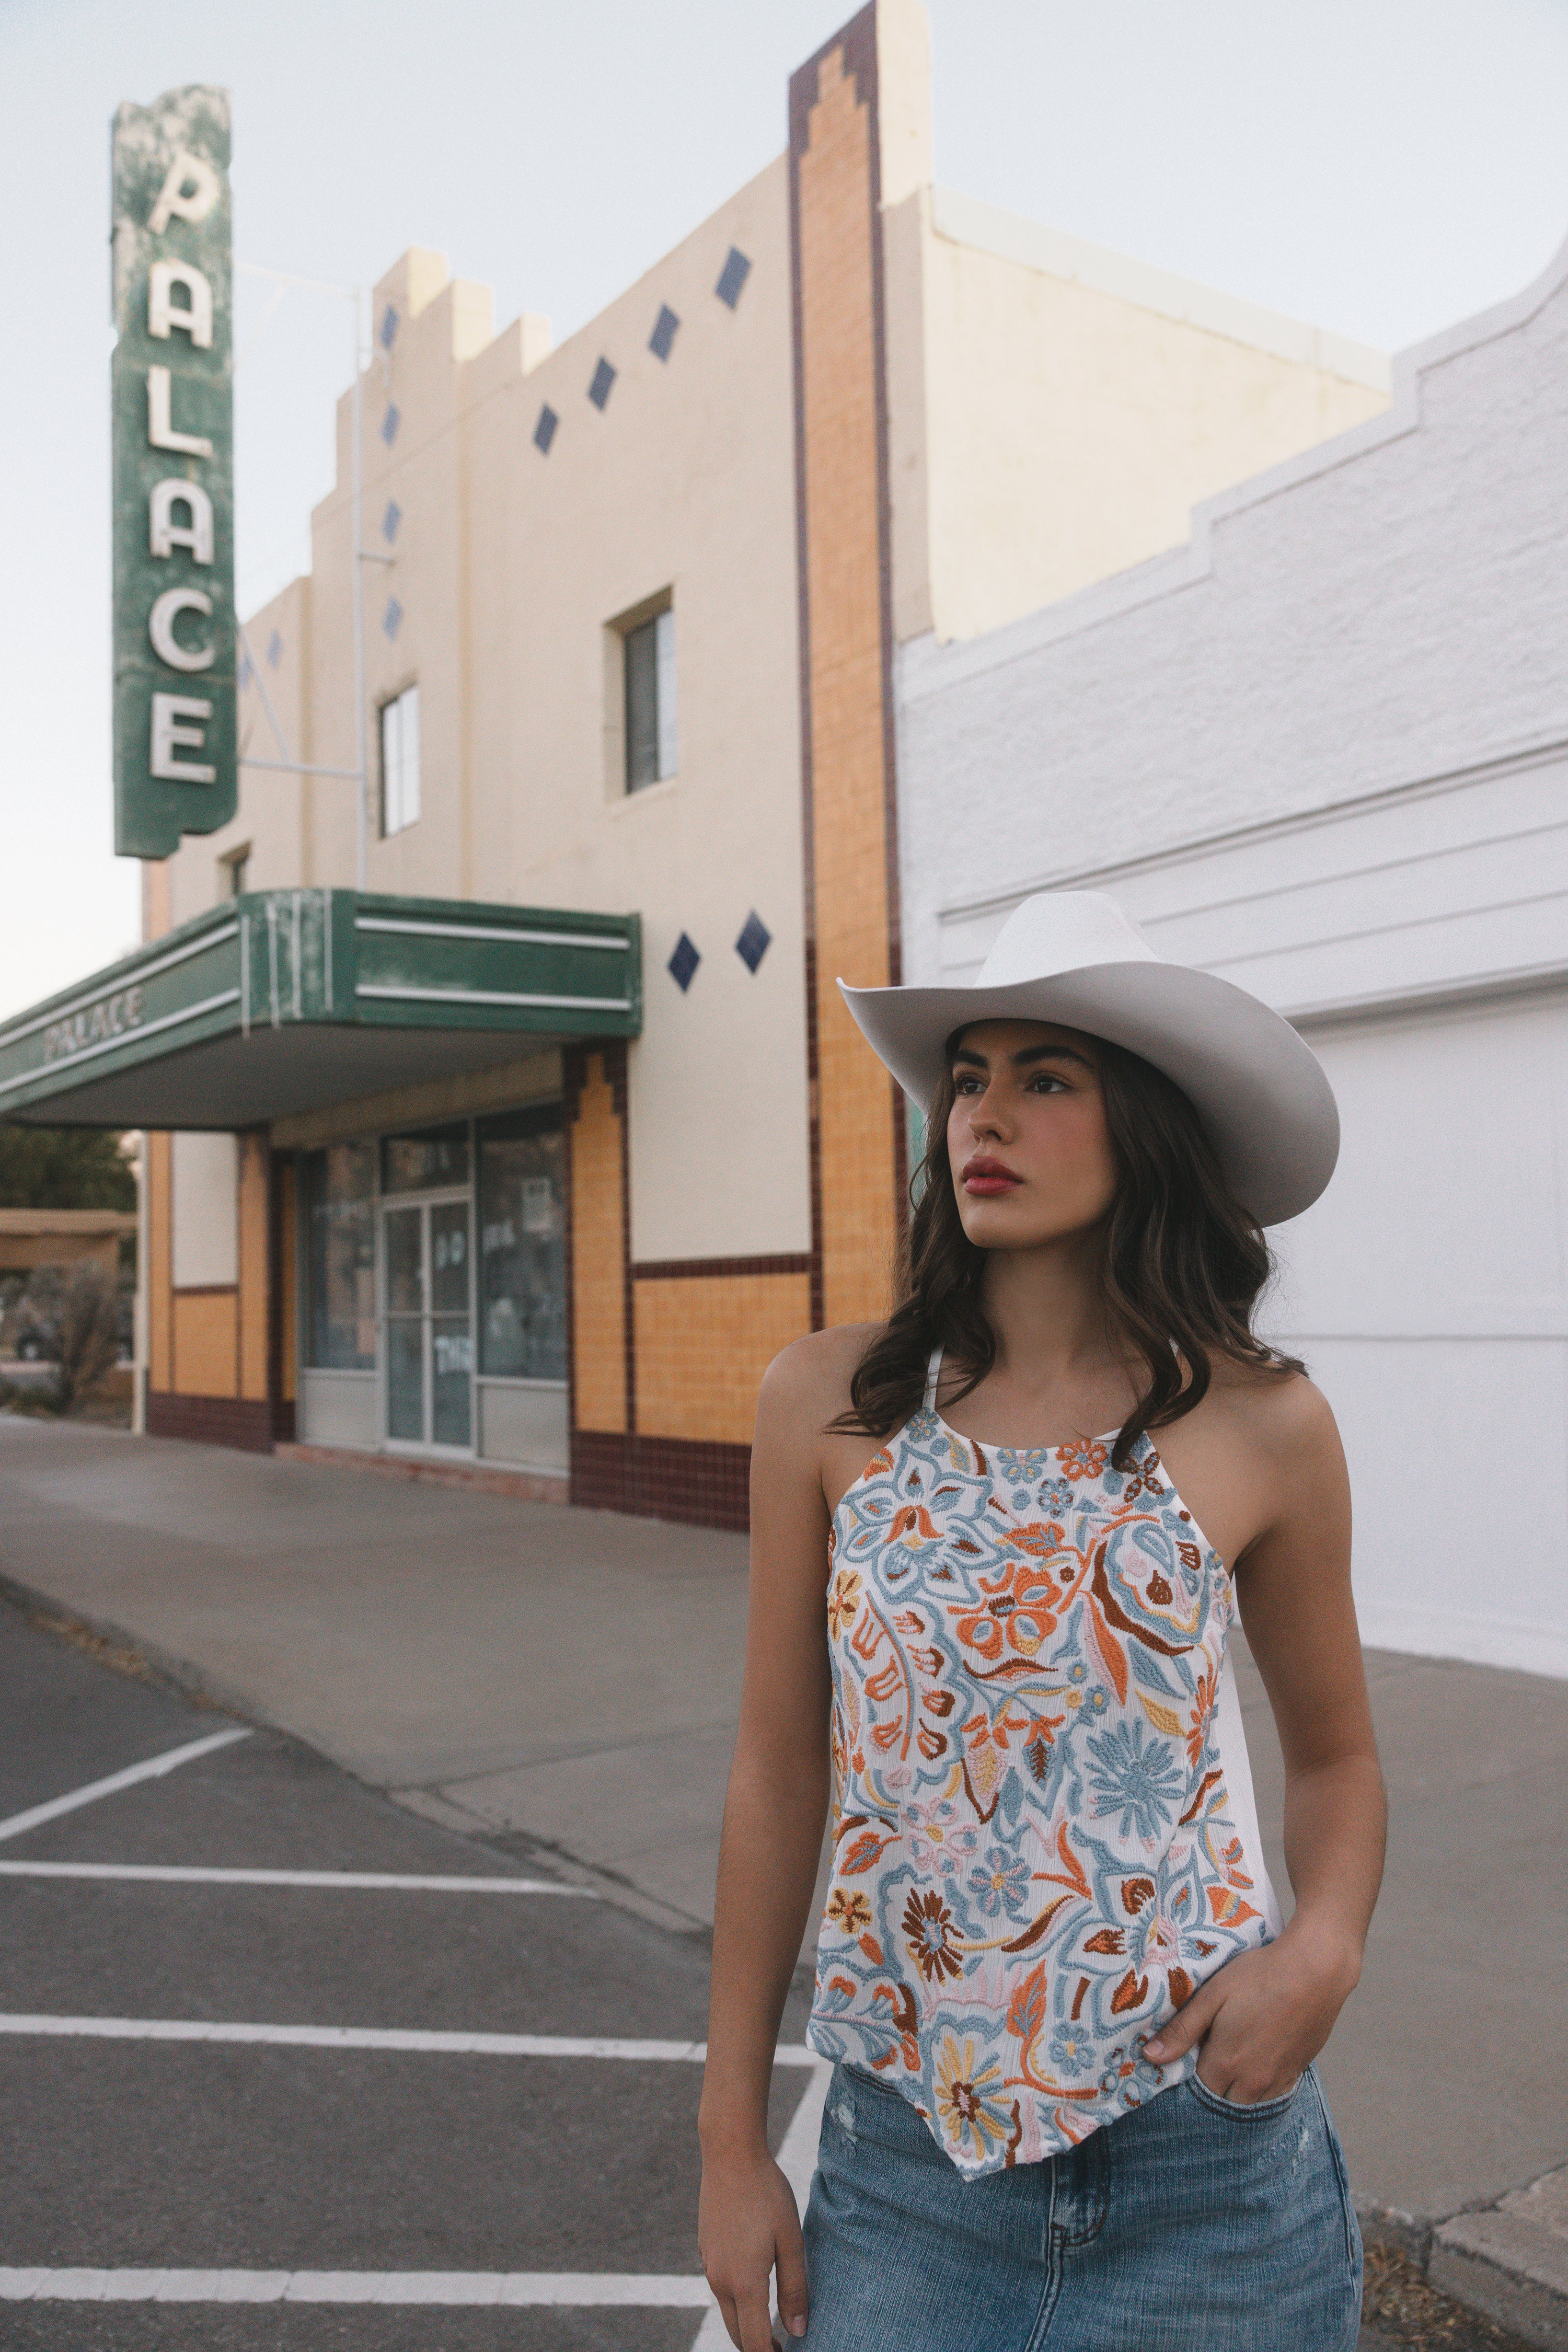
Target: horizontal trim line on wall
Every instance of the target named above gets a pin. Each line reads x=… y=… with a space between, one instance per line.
x=497 y=996
x=428 y=931
x=1431 y=996
x=1319 y=941
x=1541 y=753
x=126 y=1037
x=1340 y=875
x=717 y=1269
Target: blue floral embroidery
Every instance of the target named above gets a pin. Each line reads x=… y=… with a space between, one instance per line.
x=1035 y=1857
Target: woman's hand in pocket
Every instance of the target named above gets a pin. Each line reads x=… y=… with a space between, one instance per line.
x=1261 y=2019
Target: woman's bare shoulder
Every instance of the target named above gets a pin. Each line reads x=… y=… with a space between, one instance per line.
x=1281 y=1414
x=811 y=1377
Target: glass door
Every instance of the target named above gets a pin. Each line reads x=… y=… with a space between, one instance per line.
x=451 y=1342
x=430 y=1323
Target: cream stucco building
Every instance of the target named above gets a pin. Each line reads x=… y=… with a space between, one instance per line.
x=632 y=608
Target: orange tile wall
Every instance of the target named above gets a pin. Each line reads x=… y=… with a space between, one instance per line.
x=160 y=1262
x=598 y=1259
x=252 y=1287
x=206 y=1333
x=702 y=1346
x=850 y=836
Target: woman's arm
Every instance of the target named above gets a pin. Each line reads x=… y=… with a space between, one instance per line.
x=773 y=1819
x=1263 y=2017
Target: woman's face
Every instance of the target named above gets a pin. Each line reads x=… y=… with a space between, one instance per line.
x=1031 y=1154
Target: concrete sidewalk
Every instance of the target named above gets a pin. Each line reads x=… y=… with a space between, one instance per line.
x=572 y=1677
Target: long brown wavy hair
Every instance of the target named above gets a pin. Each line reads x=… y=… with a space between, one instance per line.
x=1182 y=1267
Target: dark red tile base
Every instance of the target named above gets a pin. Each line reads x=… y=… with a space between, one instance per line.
x=702 y=1484
x=245 y=1423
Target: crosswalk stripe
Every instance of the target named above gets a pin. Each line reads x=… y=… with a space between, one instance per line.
x=582 y=2289
x=152 y=1768
x=191 y=1874
x=371 y=2037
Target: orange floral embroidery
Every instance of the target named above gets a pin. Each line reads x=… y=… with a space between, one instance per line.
x=1015 y=1614
x=850 y=1912
x=843 y=1602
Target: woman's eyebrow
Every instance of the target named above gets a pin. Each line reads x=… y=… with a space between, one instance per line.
x=970 y=1057
x=1027 y=1054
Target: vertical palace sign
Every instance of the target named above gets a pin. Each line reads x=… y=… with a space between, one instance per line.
x=175 y=769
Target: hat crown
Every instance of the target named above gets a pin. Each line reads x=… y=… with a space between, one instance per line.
x=1062 y=931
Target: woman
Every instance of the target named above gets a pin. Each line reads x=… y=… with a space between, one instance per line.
x=1073 y=2107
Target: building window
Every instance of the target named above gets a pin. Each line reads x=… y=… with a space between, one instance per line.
x=234 y=865
x=400 y=760
x=336 y=1189
x=428 y=1159
x=650 y=707
x=523 y=1245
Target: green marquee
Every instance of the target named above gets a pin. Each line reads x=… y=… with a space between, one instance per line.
x=287 y=1000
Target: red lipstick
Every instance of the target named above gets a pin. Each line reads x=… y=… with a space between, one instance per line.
x=987 y=1178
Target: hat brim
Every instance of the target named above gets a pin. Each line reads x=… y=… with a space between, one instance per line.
x=1258 y=1088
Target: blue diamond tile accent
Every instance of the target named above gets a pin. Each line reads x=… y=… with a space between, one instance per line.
x=663 y=335
x=389 y=424
x=732 y=277
x=274 y=650
x=391 y=619
x=604 y=377
x=390 y=521
x=388 y=328
x=754 y=941
x=246 y=672
x=544 y=431
x=683 y=964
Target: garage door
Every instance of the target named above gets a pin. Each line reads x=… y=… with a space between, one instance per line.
x=1428 y=1292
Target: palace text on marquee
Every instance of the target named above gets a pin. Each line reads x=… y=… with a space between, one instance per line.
x=174 y=767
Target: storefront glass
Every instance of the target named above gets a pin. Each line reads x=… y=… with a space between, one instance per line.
x=427 y=1160
x=523 y=1245
x=429 y=1336
x=336 y=1187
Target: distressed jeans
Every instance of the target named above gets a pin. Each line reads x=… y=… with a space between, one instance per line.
x=1189 y=2224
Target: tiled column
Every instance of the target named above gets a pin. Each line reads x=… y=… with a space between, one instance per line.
x=600 y=1275
x=845 y=663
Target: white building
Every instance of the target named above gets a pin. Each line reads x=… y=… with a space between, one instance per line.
x=1323 y=750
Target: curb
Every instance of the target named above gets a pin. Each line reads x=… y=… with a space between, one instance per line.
x=1505 y=2263
x=209 y=1691
x=165 y=1666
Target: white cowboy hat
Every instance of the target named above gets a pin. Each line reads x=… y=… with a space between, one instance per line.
x=1074 y=958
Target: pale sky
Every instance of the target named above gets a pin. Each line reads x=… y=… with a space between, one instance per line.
x=1380 y=167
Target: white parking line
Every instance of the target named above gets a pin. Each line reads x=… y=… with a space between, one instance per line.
x=184 y=1875
x=370 y=2037
x=152 y=1769
x=582 y=2289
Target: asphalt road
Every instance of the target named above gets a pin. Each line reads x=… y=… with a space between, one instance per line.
x=200 y=2156
x=118 y=2151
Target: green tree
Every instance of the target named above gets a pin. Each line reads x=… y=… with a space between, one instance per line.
x=64 y=1168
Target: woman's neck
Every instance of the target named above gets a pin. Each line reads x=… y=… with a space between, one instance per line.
x=1046 y=1309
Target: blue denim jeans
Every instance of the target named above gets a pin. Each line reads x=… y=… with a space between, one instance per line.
x=1188 y=2225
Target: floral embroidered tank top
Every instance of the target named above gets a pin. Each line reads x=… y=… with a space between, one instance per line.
x=1044 y=1832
